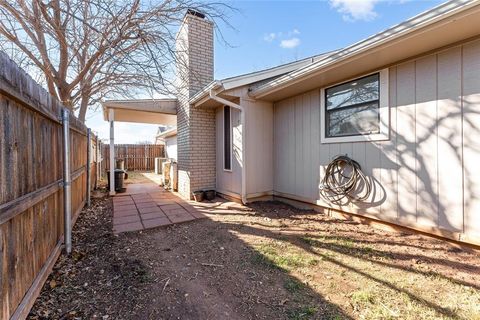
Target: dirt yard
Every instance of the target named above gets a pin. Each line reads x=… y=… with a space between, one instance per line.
x=269 y=261
x=142 y=177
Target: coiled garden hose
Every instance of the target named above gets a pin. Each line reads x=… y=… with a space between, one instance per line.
x=344 y=179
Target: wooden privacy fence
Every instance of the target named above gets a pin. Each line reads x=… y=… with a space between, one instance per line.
x=32 y=185
x=137 y=157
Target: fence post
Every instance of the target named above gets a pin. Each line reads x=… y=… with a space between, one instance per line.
x=67 y=182
x=97 y=159
x=89 y=173
x=146 y=160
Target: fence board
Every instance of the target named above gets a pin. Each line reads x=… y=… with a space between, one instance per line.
x=137 y=157
x=31 y=196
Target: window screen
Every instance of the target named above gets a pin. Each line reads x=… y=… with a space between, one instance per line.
x=227 y=138
x=352 y=108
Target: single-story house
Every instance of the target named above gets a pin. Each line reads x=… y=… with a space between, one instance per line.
x=403 y=103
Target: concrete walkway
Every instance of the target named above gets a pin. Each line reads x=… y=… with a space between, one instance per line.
x=146 y=206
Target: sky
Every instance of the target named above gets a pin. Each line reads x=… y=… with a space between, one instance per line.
x=268 y=33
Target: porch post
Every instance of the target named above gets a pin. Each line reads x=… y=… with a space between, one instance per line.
x=112 y=152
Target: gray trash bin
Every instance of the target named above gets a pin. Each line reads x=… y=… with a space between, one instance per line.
x=119 y=176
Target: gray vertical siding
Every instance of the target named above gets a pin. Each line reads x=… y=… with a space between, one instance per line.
x=229 y=181
x=259 y=146
x=471 y=140
x=427 y=174
x=450 y=145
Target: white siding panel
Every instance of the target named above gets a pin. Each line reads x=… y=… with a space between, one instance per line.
x=315 y=143
x=372 y=170
x=297 y=133
x=388 y=156
x=427 y=173
x=259 y=151
x=359 y=155
x=171 y=147
x=346 y=148
x=236 y=174
x=283 y=177
x=450 y=180
x=368 y=156
x=280 y=133
x=307 y=149
x=291 y=159
x=228 y=181
x=324 y=150
x=406 y=150
x=334 y=150
x=471 y=134
x=255 y=139
x=259 y=145
x=426 y=140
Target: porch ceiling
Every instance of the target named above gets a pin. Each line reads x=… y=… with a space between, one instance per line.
x=157 y=111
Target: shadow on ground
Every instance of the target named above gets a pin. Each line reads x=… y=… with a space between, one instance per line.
x=267 y=261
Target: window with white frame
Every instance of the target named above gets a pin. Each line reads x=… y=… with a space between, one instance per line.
x=356 y=110
x=227 y=138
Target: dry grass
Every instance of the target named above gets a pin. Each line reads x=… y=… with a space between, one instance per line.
x=274 y=262
x=368 y=285
x=142 y=177
x=366 y=279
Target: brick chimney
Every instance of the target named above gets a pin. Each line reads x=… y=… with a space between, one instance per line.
x=196 y=127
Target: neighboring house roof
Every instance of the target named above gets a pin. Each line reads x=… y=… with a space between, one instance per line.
x=167 y=134
x=143 y=110
x=256 y=77
x=441 y=26
x=163 y=128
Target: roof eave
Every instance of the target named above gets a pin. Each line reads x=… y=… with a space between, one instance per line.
x=202 y=94
x=249 y=78
x=168 y=133
x=386 y=37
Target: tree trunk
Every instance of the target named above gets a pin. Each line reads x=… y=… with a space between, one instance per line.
x=83 y=107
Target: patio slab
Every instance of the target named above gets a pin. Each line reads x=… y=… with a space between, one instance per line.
x=152 y=215
x=145 y=206
x=157 y=222
x=139 y=188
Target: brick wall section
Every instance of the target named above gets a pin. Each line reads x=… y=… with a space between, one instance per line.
x=196 y=127
x=202 y=148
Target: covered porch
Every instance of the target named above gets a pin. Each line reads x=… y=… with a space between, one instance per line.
x=144 y=204
x=146 y=111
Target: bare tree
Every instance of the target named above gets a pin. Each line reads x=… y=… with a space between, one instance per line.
x=86 y=50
